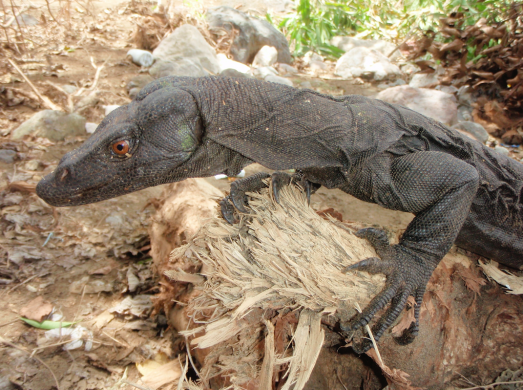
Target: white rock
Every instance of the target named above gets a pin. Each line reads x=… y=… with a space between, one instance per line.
x=226 y=63
x=311 y=56
x=90 y=127
x=266 y=56
x=265 y=71
x=422 y=80
x=110 y=108
x=434 y=104
x=361 y=61
x=286 y=69
x=348 y=43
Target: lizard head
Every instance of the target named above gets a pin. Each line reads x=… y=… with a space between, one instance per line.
x=136 y=146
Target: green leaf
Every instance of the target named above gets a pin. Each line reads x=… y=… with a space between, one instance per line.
x=47 y=325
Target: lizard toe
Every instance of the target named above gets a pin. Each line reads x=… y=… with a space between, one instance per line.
x=372 y=265
x=227 y=210
x=279 y=180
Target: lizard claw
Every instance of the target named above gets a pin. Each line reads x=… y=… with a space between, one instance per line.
x=279 y=180
x=406 y=275
x=237 y=198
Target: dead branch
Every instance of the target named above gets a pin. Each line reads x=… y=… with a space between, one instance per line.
x=44 y=99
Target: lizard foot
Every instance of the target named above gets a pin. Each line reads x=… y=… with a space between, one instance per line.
x=407 y=274
x=237 y=200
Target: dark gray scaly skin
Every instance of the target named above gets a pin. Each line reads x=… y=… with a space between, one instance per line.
x=460 y=191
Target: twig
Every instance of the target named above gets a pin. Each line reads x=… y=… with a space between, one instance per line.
x=187 y=347
x=44 y=99
x=135 y=385
x=96 y=77
x=18 y=24
x=492 y=385
x=338 y=376
x=367 y=328
x=50 y=13
x=2 y=340
x=115 y=340
x=12 y=19
x=24 y=282
x=70 y=104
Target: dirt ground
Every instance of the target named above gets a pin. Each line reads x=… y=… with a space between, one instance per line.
x=85 y=261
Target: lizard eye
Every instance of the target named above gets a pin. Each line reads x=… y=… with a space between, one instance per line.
x=121 y=148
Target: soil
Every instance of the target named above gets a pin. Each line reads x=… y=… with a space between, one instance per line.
x=82 y=260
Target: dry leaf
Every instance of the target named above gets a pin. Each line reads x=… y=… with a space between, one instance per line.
x=158 y=375
x=38 y=309
x=513 y=283
x=471 y=279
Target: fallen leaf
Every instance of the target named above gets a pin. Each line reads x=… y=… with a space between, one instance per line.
x=37 y=309
x=471 y=279
x=513 y=283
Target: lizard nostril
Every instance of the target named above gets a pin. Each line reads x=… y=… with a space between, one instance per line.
x=64 y=174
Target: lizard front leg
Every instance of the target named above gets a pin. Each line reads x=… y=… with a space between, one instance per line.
x=439 y=189
x=237 y=198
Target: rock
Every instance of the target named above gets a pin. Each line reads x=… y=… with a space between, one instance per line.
x=502 y=150
x=422 y=80
x=393 y=84
x=235 y=73
x=90 y=100
x=90 y=127
x=286 y=69
x=7 y=156
x=279 y=80
x=447 y=89
x=54 y=125
x=512 y=137
x=141 y=57
x=410 y=68
x=348 y=43
x=266 y=56
x=110 y=108
x=265 y=71
x=226 y=63
x=177 y=67
x=27 y=20
x=306 y=84
x=184 y=48
x=70 y=89
x=473 y=130
x=363 y=62
x=434 y=104
x=465 y=96
x=465 y=114
x=311 y=56
x=253 y=34
x=135 y=85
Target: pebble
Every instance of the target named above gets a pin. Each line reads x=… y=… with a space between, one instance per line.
x=502 y=150
x=279 y=80
x=7 y=156
x=109 y=109
x=90 y=127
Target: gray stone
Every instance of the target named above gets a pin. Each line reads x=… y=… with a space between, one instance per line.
x=226 y=63
x=465 y=114
x=447 y=88
x=422 y=80
x=135 y=85
x=348 y=43
x=363 y=62
x=266 y=56
x=70 y=89
x=177 y=67
x=253 y=34
x=234 y=73
x=465 y=96
x=141 y=57
x=265 y=71
x=7 y=156
x=473 y=130
x=310 y=56
x=27 y=20
x=186 y=47
x=393 y=84
x=286 y=69
x=54 y=125
x=502 y=150
x=410 y=68
x=306 y=84
x=434 y=104
x=279 y=80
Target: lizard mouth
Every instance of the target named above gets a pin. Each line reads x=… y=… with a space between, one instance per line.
x=58 y=195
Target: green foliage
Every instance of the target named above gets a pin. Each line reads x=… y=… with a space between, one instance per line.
x=315 y=22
